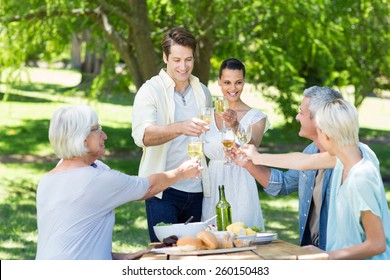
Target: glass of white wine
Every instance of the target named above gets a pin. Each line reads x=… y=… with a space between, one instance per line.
x=195 y=149
x=206 y=116
x=221 y=104
x=228 y=142
x=243 y=135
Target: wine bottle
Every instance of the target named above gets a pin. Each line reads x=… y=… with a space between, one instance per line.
x=223 y=210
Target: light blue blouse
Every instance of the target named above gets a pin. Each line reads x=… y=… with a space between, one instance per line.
x=361 y=191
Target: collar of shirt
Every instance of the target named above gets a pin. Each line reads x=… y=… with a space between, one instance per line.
x=183 y=95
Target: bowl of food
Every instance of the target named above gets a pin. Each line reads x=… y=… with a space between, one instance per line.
x=243 y=235
x=163 y=230
x=240 y=229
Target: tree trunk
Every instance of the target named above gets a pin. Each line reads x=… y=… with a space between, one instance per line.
x=140 y=56
x=137 y=51
x=144 y=49
x=202 y=60
x=205 y=11
x=91 y=65
x=75 y=57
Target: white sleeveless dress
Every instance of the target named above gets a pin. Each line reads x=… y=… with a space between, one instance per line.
x=240 y=187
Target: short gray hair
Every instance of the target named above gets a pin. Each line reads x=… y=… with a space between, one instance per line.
x=340 y=121
x=319 y=96
x=69 y=127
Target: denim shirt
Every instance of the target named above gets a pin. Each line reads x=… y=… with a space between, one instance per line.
x=284 y=183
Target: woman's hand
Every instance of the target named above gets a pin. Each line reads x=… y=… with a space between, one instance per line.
x=190 y=169
x=237 y=156
x=230 y=118
x=249 y=151
x=160 y=181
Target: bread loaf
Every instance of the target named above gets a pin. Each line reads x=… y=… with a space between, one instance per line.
x=189 y=243
x=209 y=240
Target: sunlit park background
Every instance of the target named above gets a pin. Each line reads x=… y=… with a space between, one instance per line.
x=55 y=53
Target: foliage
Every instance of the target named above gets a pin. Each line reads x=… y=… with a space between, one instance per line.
x=286 y=45
x=292 y=45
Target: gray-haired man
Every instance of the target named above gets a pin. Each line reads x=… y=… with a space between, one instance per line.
x=313 y=186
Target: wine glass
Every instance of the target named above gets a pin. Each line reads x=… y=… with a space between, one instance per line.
x=195 y=149
x=205 y=115
x=228 y=142
x=243 y=135
x=221 y=104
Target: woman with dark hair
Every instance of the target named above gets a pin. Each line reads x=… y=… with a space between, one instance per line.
x=240 y=186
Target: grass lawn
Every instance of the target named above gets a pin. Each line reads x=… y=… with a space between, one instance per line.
x=25 y=155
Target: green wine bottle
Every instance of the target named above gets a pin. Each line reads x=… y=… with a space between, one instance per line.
x=223 y=210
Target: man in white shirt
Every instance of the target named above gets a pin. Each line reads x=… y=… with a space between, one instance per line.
x=165 y=114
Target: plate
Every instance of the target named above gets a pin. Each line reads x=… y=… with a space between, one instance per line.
x=265 y=237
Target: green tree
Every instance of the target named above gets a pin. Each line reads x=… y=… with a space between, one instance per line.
x=286 y=45
x=292 y=45
x=361 y=46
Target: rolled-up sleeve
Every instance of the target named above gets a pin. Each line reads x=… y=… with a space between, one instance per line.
x=144 y=113
x=282 y=183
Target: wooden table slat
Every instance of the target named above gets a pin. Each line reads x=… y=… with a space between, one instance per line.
x=275 y=251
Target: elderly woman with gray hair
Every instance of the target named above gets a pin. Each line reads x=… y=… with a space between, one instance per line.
x=77 y=198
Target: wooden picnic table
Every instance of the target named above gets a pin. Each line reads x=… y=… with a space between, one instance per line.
x=275 y=250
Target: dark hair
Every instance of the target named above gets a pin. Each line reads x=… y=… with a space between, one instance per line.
x=232 y=64
x=179 y=36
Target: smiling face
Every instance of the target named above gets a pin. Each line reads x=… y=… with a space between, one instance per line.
x=180 y=63
x=95 y=142
x=308 y=125
x=232 y=83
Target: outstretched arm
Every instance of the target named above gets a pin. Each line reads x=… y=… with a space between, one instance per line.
x=161 y=181
x=262 y=174
x=296 y=160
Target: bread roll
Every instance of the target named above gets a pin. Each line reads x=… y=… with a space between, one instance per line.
x=209 y=240
x=189 y=243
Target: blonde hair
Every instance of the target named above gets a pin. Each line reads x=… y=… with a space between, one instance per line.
x=340 y=121
x=69 y=127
